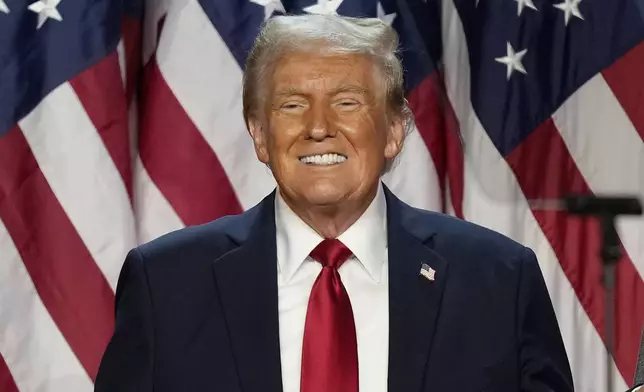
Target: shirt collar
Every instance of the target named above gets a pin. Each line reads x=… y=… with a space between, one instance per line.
x=366 y=238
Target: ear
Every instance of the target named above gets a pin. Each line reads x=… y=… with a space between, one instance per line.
x=395 y=137
x=258 y=133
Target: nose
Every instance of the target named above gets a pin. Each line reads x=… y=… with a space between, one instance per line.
x=320 y=125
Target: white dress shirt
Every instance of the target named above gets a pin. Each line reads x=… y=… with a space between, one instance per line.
x=365 y=277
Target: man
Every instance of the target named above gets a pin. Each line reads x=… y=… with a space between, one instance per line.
x=331 y=283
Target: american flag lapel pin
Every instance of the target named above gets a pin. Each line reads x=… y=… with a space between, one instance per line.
x=427 y=272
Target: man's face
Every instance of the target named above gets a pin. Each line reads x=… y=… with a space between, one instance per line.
x=326 y=133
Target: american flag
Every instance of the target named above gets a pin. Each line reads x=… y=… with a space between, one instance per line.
x=121 y=121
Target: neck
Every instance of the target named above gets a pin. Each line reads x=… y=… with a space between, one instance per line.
x=332 y=220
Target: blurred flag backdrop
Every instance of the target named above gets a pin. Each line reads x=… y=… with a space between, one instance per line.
x=121 y=121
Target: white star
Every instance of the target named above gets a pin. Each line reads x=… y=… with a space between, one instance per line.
x=324 y=7
x=525 y=3
x=3 y=7
x=513 y=61
x=270 y=6
x=387 y=18
x=46 y=9
x=570 y=7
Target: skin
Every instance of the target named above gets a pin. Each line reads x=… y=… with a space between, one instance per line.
x=317 y=104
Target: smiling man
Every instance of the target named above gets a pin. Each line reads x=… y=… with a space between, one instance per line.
x=326 y=131
x=332 y=283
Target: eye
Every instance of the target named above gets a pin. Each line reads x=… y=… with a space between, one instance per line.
x=292 y=106
x=348 y=104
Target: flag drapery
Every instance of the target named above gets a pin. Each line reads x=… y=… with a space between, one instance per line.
x=122 y=121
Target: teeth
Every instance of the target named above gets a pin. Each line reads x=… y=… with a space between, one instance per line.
x=323 y=160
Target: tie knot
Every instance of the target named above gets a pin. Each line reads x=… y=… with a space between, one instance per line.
x=331 y=253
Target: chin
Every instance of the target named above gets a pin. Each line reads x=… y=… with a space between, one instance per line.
x=324 y=193
x=322 y=200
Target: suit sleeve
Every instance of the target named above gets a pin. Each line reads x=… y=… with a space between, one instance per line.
x=543 y=359
x=127 y=364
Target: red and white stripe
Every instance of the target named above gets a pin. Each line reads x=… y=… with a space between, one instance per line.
x=94 y=170
x=497 y=191
x=31 y=341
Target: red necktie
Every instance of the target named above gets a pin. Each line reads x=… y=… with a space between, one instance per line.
x=330 y=350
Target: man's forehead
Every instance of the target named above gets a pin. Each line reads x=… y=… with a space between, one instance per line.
x=299 y=88
x=331 y=73
x=309 y=64
x=321 y=55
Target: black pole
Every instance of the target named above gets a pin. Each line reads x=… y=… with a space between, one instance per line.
x=606 y=209
x=610 y=254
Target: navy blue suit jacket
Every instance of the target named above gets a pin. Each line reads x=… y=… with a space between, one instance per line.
x=196 y=310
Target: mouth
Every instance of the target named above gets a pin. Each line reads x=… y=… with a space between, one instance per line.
x=323 y=159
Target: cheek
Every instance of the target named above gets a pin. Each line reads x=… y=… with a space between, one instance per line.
x=370 y=141
x=283 y=134
x=369 y=137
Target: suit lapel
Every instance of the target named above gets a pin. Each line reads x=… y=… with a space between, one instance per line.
x=246 y=279
x=414 y=301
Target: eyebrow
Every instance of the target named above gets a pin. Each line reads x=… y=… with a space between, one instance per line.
x=290 y=90
x=348 y=88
